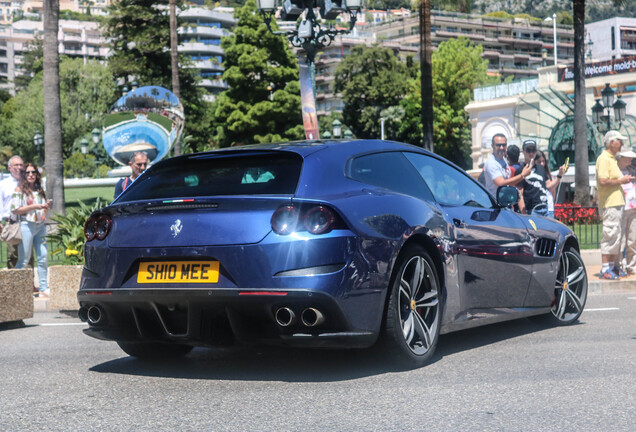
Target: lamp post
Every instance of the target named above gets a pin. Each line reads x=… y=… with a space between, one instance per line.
x=602 y=119
x=554 y=28
x=38 y=140
x=336 y=128
x=589 y=47
x=309 y=34
x=84 y=146
x=382 y=120
x=544 y=56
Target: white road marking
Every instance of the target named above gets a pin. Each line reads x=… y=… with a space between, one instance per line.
x=61 y=324
x=631 y=298
x=601 y=309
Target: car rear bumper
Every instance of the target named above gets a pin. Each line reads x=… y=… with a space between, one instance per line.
x=204 y=317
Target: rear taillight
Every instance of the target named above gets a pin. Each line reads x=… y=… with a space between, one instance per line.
x=315 y=219
x=89 y=228
x=97 y=227
x=285 y=220
x=319 y=220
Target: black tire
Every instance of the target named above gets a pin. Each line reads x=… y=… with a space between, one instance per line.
x=570 y=290
x=154 y=350
x=413 y=316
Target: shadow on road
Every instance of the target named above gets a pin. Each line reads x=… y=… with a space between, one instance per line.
x=304 y=365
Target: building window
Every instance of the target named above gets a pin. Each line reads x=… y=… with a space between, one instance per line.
x=613 y=37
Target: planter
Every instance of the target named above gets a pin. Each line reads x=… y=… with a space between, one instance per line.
x=64 y=282
x=16 y=294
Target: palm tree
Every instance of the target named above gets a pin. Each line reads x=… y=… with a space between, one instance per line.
x=426 y=68
x=52 y=107
x=581 y=178
x=174 y=60
x=581 y=160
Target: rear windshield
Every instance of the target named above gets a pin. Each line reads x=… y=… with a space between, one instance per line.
x=267 y=173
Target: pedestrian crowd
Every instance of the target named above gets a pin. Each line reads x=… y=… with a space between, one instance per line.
x=23 y=209
x=616 y=189
x=615 y=177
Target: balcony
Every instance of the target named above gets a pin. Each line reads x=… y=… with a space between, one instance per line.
x=214 y=84
x=186 y=32
x=200 y=48
x=208 y=65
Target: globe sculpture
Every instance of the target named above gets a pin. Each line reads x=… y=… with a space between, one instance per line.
x=148 y=119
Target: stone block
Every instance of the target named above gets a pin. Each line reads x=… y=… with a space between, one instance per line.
x=64 y=282
x=16 y=294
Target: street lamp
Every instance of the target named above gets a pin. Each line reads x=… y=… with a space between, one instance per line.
x=348 y=134
x=326 y=135
x=336 y=128
x=589 y=47
x=544 y=56
x=602 y=119
x=84 y=146
x=309 y=34
x=96 y=136
x=554 y=23
x=38 y=140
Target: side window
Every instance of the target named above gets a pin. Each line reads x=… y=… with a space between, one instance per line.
x=390 y=170
x=448 y=185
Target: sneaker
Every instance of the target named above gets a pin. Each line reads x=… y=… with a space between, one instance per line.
x=609 y=275
x=619 y=272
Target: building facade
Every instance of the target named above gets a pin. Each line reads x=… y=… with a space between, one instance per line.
x=81 y=39
x=200 y=39
x=513 y=47
x=611 y=38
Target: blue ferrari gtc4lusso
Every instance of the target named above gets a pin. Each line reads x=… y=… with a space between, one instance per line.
x=318 y=244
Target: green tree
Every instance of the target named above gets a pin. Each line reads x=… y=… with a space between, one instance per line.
x=457 y=69
x=32 y=63
x=370 y=79
x=257 y=63
x=139 y=32
x=86 y=93
x=79 y=165
x=410 y=128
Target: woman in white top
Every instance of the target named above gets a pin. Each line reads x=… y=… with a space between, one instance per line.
x=30 y=206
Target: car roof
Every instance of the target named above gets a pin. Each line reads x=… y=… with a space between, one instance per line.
x=307 y=147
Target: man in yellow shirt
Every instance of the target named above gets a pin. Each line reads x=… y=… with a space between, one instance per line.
x=611 y=202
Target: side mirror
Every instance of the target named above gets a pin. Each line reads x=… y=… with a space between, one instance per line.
x=507 y=196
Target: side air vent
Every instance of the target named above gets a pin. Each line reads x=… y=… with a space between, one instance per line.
x=546 y=247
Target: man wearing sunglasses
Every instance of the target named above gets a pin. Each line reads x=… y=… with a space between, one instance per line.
x=497 y=171
x=7 y=187
x=138 y=163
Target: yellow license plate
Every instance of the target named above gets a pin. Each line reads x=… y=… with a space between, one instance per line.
x=178 y=272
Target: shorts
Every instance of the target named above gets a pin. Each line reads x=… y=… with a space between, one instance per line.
x=612 y=219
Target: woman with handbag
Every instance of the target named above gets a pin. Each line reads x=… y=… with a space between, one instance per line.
x=30 y=205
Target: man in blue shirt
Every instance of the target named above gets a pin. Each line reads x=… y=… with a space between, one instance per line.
x=138 y=163
x=497 y=171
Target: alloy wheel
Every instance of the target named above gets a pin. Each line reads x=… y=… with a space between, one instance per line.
x=418 y=305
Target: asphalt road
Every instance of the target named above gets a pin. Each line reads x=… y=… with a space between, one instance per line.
x=516 y=376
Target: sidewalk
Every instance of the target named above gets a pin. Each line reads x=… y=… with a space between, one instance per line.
x=591 y=258
x=596 y=285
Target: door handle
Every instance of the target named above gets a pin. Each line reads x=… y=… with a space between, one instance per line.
x=459 y=223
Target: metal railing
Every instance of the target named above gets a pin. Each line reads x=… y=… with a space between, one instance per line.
x=53 y=259
x=586 y=223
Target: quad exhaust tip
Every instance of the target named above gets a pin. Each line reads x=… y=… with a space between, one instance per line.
x=285 y=317
x=82 y=314
x=312 y=317
x=95 y=315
